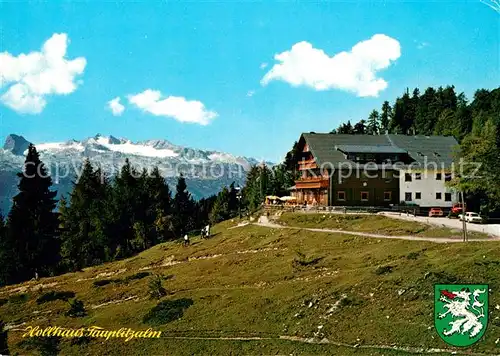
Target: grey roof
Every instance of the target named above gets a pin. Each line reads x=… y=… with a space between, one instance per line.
x=326 y=148
x=322 y=145
x=427 y=149
x=370 y=149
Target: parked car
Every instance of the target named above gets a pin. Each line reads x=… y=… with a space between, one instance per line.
x=457 y=208
x=471 y=217
x=435 y=212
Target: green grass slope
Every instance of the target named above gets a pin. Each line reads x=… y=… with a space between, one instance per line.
x=254 y=290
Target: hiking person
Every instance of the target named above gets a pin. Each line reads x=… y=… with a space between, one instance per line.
x=186 y=240
x=207 y=231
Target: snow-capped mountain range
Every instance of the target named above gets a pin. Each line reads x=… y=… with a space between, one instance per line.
x=206 y=171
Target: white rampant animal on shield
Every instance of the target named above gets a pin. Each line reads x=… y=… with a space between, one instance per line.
x=466 y=316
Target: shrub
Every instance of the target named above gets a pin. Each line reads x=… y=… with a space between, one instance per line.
x=103 y=282
x=4 y=347
x=18 y=298
x=413 y=255
x=3 y=301
x=303 y=261
x=52 y=295
x=47 y=346
x=167 y=311
x=139 y=275
x=76 y=309
x=156 y=290
x=383 y=269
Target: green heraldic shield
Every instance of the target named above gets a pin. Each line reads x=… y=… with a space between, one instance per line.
x=461 y=312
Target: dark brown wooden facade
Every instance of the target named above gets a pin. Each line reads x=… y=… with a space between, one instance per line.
x=323 y=186
x=382 y=190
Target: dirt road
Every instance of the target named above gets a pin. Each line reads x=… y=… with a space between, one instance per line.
x=264 y=221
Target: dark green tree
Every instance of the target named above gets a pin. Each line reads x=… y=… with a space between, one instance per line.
x=385 y=116
x=360 y=128
x=31 y=242
x=373 y=126
x=84 y=223
x=183 y=208
x=159 y=211
x=220 y=210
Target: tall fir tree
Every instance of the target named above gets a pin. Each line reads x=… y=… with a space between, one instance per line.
x=84 y=223
x=373 y=126
x=220 y=210
x=159 y=211
x=183 y=208
x=31 y=243
x=385 y=116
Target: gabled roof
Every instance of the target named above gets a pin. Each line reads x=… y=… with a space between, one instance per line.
x=427 y=149
x=369 y=149
x=329 y=148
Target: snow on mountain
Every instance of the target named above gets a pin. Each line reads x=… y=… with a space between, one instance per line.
x=206 y=171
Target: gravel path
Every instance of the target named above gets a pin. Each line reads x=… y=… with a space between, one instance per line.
x=264 y=221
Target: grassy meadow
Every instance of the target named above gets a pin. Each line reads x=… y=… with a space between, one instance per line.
x=253 y=290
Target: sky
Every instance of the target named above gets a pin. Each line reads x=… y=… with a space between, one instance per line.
x=245 y=78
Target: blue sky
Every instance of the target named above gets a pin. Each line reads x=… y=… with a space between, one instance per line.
x=193 y=73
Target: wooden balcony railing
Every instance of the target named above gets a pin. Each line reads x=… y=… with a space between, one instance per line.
x=312 y=182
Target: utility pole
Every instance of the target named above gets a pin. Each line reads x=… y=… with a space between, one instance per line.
x=464 y=224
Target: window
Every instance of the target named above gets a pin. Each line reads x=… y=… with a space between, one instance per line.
x=364 y=196
x=418 y=176
x=447 y=177
x=387 y=196
x=418 y=195
x=388 y=174
x=438 y=176
x=407 y=196
x=447 y=196
x=407 y=177
x=438 y=196
x=341 y=195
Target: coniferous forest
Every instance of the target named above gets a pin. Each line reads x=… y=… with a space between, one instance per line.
x=108 y=218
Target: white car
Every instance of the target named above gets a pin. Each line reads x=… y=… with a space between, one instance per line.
x=471 y=217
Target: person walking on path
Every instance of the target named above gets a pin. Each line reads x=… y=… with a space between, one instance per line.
x=186 y=240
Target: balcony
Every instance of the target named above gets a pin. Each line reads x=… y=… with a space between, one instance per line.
x=312 y=183
x=307 y=164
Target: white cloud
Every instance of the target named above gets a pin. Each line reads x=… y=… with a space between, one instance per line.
x=263 y=65
x=35 y=75
x=116 y=107
x=250 y=93
x=176 y=107
x=354 y=71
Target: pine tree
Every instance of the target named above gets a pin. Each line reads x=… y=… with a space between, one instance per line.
x=220 y=210
x=126 y=204
x=385 y=116
x=159 y=213
x=31 y=241
x=183 y=208
x=372 y=128
x=85 y=227
x=360 y=128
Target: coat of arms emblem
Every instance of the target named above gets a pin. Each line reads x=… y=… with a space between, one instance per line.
x=461 y=312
